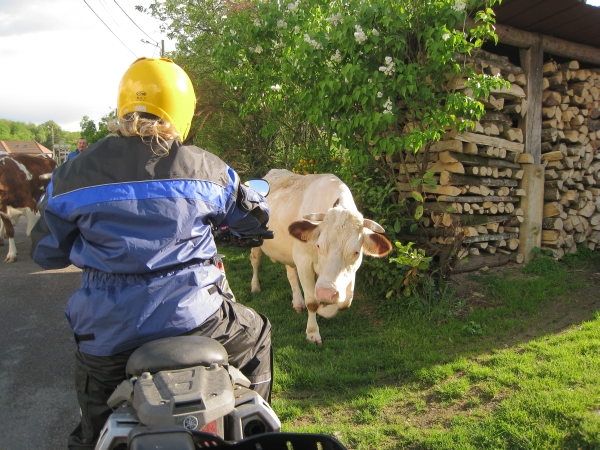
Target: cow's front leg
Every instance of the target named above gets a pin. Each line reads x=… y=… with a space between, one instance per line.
x=312 y=328
x=307 y=280
x=10 y=234
x=12 y=251
x=32 y=219
x=255 y=259
x=297 y=298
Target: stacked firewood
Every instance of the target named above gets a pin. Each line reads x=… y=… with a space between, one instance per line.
x=571 y=153
x=475 y=206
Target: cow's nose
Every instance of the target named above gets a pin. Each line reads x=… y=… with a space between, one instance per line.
x=327 y=295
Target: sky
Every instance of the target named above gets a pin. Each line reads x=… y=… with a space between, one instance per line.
x=60 y=62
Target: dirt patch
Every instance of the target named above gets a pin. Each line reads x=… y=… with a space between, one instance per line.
x=553 y=316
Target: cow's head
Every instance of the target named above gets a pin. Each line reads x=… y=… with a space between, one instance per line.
x=337 y=241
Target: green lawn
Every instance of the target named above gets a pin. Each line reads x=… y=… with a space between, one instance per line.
x=388 y=376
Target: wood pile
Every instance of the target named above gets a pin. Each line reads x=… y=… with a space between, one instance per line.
x=571 y=154
x=475 y=207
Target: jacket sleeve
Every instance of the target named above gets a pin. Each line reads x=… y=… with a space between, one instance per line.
x=52 y=238
x=248 y=212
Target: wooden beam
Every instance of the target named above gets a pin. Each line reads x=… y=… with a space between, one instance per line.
x=482 y=139
x=473 y=263
x=533 y=208
x=555 y=46
x=532 y=61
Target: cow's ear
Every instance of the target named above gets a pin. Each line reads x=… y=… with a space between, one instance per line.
x=376 y=245
x=302 y=230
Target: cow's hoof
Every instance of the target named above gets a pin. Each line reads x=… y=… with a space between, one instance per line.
x=298 y=309
x=10 y=259
x=316 y=339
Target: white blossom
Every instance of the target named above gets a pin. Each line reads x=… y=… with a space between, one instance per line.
x=281 y=24
x=337 y=57
x=257 y=49
x=276 y=87
x=387 y=106
x=379 y=94
x=335 y=19
x=256 y=22
x=460 y=5
x=445 y=36
x=390 y=66
x=369 y=80
x=359 y=35
x=292 y=7
x=312 y=42
x=374 y=32
x=297 y=29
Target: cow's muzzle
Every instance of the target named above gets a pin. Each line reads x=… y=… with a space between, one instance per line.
x=327 y=295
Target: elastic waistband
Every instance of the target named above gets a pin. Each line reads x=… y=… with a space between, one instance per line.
x=94 y=276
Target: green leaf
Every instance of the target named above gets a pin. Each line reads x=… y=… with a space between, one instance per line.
x=419 y=212
x=417 y=196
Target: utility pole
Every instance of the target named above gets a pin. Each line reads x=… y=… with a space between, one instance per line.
x=53 y=149
x=161 y=47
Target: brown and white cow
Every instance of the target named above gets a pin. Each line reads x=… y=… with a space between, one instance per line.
x=23 y=180
x=320 y=236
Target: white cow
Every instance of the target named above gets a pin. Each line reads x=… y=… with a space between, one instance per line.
x=320 y=236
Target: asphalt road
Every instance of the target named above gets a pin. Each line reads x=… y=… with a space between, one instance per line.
x=39 y=407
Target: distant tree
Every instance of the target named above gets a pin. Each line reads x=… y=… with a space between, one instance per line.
x=20 y=132
x=94 y=133
x=88 y=129
x=5 y=130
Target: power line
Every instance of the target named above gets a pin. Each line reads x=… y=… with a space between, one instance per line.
x=84 y=1
x=135 y=23
x=107 y=9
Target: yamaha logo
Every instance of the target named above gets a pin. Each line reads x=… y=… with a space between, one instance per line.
x=190 y=422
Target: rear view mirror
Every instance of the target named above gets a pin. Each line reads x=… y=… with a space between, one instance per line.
x=259 y=185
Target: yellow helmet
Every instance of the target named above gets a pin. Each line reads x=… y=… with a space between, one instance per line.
x=158 y=86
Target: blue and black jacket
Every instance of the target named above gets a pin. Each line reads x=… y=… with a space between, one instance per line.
x=139 y=225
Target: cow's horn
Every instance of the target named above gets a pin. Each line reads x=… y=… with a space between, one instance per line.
x=46 y=176
x=314 y=217
x=373 y=226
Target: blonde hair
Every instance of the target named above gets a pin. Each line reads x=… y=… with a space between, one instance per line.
x=149 y=126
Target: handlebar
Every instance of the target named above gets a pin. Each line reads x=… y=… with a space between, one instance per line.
x=223 y=236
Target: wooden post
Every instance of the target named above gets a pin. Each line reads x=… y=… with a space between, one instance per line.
x=532 y=61
x=532 y=204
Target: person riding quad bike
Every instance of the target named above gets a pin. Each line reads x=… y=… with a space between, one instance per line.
x=134 y=212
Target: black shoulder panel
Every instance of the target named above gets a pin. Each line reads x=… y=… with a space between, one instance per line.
x=129 y=159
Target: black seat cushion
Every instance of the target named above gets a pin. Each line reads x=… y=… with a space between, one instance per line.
x=175 y=353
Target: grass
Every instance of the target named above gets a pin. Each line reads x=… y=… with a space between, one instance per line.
x=389 y=376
